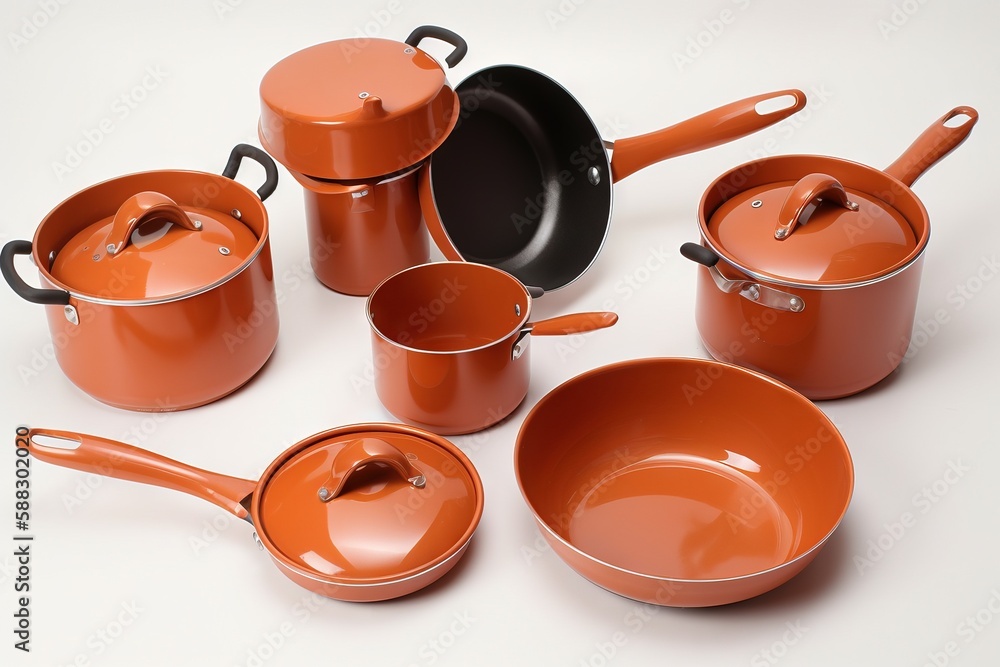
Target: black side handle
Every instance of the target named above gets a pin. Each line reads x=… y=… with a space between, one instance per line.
x=534 y=291
x=699 y=253
x=445 y=35
x=46 y=297
x=270 y=169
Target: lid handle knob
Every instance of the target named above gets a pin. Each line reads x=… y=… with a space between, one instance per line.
x=140 y=208
x=360 y=453
x=805 y=197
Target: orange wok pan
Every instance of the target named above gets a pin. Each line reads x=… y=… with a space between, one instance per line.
x=359 y=513
x=682 y=482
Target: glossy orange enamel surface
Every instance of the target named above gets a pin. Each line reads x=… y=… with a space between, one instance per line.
x=380 y=537
x=341 y=110
x=380 y=528
x=824 y=243
x=857 y=272
x=172 y=353
x=169 y=251
x=682 y=482
x=443 y=344
x=363 y=232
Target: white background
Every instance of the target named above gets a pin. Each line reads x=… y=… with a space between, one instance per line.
x=121 y=546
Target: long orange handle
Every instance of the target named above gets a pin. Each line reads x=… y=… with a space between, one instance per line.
x=709 y=129
x=116 y=459
x=936 y=141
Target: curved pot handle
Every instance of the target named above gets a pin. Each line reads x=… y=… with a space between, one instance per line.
x=46 y=297
x=564 y=325
x=805 y=197
x=751 y=291
x=241 y=151
x=140 y=208
x=719 y=126
x=445 y=35
x=361 y=452
x=933 y=144
x=110 y=458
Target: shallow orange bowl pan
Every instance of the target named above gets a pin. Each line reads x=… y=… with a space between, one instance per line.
x=683 y=482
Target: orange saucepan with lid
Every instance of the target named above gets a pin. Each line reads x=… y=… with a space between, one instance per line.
x=359 y=513
x=158 y=286
x=811 y=264
x=353 y=121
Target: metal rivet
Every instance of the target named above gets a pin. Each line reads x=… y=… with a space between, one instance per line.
x=223 y=250
x=594 y=175
x=780 y=233
x=409 y=49
x=236 y=214
x=419 y=481
x=795 y=304
x=363 y=95
x=324 y=493
x=197 y=224
x=517 y=309
x=96 y=258
x=756 y=203
x=754 y=292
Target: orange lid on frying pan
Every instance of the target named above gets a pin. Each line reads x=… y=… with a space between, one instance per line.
x=358 y=108
x=370 y=505
x=153 y=248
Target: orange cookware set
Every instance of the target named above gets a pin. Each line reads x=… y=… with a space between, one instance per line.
x=678 y=482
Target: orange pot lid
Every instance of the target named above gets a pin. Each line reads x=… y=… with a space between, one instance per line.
x=812 y=231
x=153 y=249
x=348 y=110
x=371 y=505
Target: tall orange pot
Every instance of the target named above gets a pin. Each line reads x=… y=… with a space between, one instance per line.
x=811 y=264
x=158 y=286
x=354 y=124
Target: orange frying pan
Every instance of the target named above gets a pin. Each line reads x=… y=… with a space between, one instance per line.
x=682 y=482
x=328 y=510
x=524 y=181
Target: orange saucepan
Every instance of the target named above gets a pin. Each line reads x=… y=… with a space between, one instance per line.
x=359 y=513
x=682 y=482
x=158 y=286
x=450 y=344
x=812 y=264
